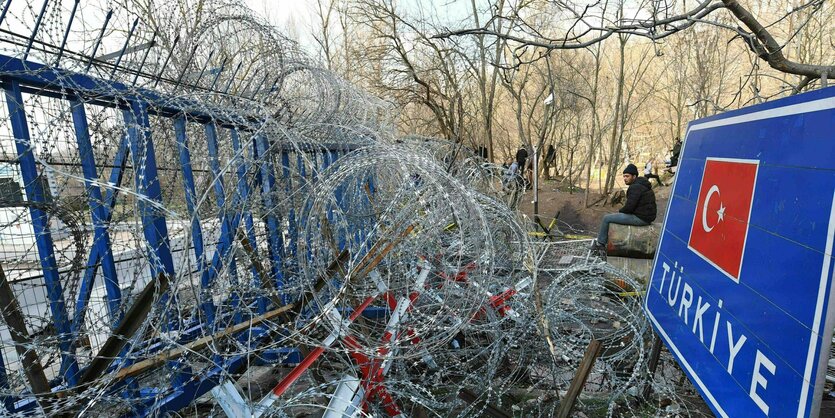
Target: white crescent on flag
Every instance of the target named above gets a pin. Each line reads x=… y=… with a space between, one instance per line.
x=713 y=189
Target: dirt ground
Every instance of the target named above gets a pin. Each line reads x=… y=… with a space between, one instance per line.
x=555 y=196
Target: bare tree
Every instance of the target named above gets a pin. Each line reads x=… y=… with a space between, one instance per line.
x=592 y=25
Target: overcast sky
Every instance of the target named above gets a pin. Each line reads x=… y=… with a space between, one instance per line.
x=298 y=15
x=286 y=14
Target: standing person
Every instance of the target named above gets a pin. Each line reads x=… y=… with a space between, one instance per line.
x=511 y=174
x=512 y=184
x=675 y=153
x=648 y=173
x=639 y=209
x=522 y=160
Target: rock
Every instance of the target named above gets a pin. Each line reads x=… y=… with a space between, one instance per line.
x=633 y=241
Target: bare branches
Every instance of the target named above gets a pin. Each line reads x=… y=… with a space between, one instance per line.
x=656 y=25
x=651 y=28
x=766 y=47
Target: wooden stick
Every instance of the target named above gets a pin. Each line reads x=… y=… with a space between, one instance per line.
x=654 y=356
x=128 y=326
x=368 y=263
x=164 y=356
x=567 y=404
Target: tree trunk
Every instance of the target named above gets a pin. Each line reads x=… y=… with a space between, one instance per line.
x=617 y=129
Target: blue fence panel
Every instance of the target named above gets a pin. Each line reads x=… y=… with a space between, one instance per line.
x=40 y=224
x=253 y=164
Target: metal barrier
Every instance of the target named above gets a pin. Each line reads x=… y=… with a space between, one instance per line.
x=157 y=139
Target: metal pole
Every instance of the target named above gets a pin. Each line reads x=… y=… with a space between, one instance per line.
x=124 y=48
x=35 y=31
x=98 y=40
x=536 y=181
x=66 y=32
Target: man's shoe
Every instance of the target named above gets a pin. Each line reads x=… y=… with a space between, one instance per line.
x=598 y=249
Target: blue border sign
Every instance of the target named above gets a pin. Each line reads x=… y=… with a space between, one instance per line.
x=742 y=280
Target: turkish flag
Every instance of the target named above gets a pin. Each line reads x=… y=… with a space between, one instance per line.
x=720 y=226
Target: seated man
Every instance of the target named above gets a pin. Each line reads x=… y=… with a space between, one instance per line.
x=639 y=209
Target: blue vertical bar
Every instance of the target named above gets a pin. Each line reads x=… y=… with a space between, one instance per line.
x=208 y=274
x=274 y=233
x=300 y=160
x=300 y=164
x=40 y=224
x=288 y=189
x=241 y=170
x=97 y=209
x=8 y=401
x=326 y=159
x=148 y=189
x=229 y=220
x=314 y=165
x=340 y=200
x=86 y=287
x=242 y=197
x=189 y=189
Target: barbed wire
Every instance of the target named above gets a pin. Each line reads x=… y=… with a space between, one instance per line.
x=268 y=233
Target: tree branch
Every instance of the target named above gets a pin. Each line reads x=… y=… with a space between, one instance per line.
x=767 y=48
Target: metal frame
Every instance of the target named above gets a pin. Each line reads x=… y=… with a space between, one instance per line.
x=137 y=105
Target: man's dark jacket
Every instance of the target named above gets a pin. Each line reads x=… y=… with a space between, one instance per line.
x=640 y=200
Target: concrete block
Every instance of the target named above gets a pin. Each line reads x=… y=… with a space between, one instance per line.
x=633 y=241
x=637 y=268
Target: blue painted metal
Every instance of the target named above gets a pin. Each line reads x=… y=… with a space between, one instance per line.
x=5 y=10
x=242 y=197
x=258 y=87
x=124 y=47
x=285 y=356
x=139 y=70
x=232 y=78
x=98 y=210
x=203 y=69
x=199 y=385
x=66 y=32
x=56 y=83
x=218 y=73
x=137 y=105
x=8 y=401
x=40 y=224
x=93 y=259
x=185 y=67
x=288 y=189
x=189 y=189
x=748 y=315
x=339 y=194
x=35 y=29
x=239 y=91
x=98 y=40
x=226 y=232
x=167 y=58
x=274 y=233
x=148 y=187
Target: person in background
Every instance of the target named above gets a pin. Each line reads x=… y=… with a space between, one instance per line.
x=522 y=160
x=649 y=174
x=639 y=209
x=675 y=153
x=511 y=174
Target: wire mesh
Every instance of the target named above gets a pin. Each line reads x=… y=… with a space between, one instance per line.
x=179 y=217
